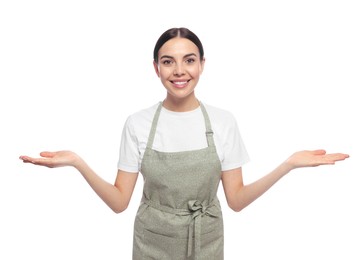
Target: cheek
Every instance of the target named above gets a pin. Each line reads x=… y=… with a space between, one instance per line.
x=163 y=75
x=195 y=72
x=164 y=72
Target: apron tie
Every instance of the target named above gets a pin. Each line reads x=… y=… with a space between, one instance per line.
x=197 y=210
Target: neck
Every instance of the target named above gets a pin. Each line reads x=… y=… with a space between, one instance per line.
x=181 y=104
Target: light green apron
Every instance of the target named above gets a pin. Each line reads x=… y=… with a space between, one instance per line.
x=180 y=216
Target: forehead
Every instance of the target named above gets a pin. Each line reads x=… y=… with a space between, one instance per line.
x=178 y=47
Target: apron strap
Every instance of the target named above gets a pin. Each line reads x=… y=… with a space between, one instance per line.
x=150 y=141
x=208 y=126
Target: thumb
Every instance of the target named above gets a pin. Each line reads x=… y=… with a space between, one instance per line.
x=47 y=154
x=319 y=152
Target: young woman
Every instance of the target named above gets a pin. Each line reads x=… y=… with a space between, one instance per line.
x=183 y=148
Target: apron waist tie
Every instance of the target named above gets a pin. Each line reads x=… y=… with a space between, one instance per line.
x=197 y=210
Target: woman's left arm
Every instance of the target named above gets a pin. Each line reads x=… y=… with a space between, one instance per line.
x=240 y=196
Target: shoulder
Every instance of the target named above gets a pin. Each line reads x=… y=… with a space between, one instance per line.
x=138 y=123
x=145 y=112
x=219 y=115
x=143 y=115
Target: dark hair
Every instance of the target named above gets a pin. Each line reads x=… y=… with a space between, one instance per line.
x=178 y=32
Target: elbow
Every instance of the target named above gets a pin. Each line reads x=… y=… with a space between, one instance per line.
x=119 y=208
x=118 y=211
x=235 y=208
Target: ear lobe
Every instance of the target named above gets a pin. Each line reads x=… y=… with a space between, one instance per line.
x=156 y=68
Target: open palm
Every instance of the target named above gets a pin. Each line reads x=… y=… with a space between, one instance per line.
x=53 y=159
x=314 y=158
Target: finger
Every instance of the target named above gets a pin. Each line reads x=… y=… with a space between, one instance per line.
x=27 y=161
x=333 y=158
x=339 y=156
x=36 y=161
x=25 y=158
x=43 y=162
x=319 y=152
x=47 y=154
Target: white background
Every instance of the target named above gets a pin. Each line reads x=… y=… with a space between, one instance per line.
x=72 y=71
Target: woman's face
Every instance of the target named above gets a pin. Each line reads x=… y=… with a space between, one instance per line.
x=179 y=67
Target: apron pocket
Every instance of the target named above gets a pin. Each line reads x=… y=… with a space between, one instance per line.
x=160 y=247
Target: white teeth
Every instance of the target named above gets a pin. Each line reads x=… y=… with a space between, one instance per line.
x=180 y=82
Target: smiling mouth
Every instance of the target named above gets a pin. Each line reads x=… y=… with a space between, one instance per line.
x=180 y=84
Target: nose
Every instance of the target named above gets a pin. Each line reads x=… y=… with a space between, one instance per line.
x=179 y=69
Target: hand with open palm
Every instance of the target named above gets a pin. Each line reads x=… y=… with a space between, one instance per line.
x=53 y=159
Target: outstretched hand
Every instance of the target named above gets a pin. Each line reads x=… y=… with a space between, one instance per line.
x=314 y=158
x=297 y=160
x=53 y=159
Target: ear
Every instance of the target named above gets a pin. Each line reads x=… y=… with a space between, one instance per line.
x=156 y=68
x=202 y=65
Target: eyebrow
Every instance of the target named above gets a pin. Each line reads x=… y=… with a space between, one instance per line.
x=171 y=57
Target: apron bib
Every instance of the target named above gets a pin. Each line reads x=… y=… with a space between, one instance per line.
x=179 y=217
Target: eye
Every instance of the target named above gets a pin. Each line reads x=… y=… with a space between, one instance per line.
x=167 y=62
x=190 y=60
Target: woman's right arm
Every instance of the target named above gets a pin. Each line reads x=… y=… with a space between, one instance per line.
x=117 y=196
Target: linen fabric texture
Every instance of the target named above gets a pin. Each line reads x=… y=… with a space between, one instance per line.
x=179 y=216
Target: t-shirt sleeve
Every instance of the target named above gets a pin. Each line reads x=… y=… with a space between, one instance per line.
x=129 y=152
x=234 y=150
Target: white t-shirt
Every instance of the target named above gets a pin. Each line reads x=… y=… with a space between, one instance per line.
x=181 y=131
